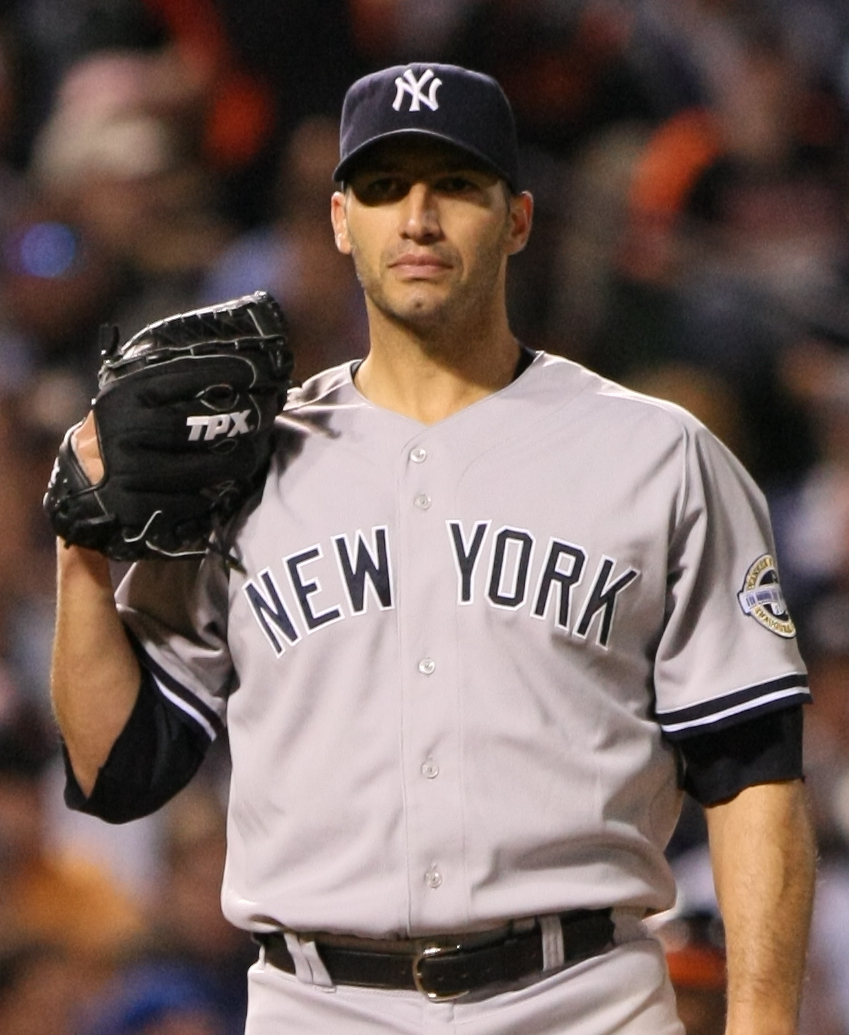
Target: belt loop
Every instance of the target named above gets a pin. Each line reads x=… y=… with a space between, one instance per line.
x=309 y=967
x=628 y=924
x=553 y=954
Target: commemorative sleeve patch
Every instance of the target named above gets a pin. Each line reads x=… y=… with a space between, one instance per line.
x=762 y=599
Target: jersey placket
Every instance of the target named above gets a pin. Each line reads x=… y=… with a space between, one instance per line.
x=430 y=712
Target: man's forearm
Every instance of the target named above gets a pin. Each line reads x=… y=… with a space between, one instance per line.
x=764 y=861
x=95 y=676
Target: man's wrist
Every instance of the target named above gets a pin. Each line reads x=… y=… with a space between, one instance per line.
x=77 y=562
x=754 y=1020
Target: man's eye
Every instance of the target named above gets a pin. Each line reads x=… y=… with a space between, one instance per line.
x=456 y=184
x=385 y=188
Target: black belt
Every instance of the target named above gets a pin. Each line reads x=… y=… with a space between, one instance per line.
x=445 y=967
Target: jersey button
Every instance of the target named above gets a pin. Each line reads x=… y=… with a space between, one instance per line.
x=427 y=666
x=418 y=455
x=430 y=770
x=433 y=878
x=422 y=501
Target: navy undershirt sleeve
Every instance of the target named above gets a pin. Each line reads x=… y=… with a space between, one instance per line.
x=155 y=756
x=766 y=749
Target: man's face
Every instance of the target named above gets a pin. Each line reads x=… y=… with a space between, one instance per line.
x=429 y=230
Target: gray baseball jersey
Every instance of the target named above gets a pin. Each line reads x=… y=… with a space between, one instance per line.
x=456 y=660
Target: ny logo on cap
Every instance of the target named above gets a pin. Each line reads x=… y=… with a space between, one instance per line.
x=414 y=87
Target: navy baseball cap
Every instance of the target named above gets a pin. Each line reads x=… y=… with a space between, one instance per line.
x=464 y=108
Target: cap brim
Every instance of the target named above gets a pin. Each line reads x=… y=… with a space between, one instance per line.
x=344 y=168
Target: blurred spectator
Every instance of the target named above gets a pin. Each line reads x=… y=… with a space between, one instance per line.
x=45 y=897
x=152 y=999
x=717 y=285
x=189 y=934
x=565 y=70
x=594 y=209
x=394 y=31
x=812 y=513
x=295 y=257
x=769 y=69
x=56 y=33
x=563 y=66
x=115 y=222
x=304 y=53
x=32 y=420
x=730 y=212
x=262 y=65
x=39 y=991
x=120 y=159
x=56 y=282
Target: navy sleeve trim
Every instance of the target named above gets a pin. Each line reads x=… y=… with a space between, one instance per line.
x=178 y=694
x=737 y=707
x=153 y=758
x=764 y=749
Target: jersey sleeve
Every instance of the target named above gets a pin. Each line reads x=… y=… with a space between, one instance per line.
x=728 y=650
x=154 y=757
x=176 y=615
x=764 y=749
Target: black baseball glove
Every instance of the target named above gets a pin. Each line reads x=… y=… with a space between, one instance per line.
x=184 y=415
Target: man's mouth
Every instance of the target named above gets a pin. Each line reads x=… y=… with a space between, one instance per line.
x=419 y=265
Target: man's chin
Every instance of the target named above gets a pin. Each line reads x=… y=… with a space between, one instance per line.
x=419 y=314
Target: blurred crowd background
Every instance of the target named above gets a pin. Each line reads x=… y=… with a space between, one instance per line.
x=690 y=164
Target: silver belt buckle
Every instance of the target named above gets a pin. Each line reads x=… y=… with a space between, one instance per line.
x=428 y=953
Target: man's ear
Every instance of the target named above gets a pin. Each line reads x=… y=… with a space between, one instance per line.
x=339 y=219
x=521 y=218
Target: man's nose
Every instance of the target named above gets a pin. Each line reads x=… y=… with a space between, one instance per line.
x=421 y=214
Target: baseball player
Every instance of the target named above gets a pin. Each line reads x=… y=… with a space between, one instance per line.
x=491 y=615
